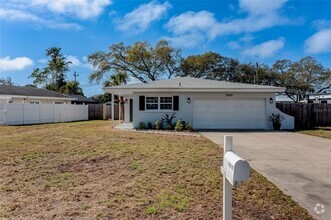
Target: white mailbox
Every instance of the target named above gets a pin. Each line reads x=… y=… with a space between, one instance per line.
x=235 y=168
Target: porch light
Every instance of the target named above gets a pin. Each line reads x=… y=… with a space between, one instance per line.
x=188 y=100
x=271 y=100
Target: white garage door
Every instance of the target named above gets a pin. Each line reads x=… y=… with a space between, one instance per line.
x=229 y=113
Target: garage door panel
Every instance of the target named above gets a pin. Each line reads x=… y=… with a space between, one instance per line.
x=229 y=114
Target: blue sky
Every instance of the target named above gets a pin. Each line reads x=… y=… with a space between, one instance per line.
x=250 y=30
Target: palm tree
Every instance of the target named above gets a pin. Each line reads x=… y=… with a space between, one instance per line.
x=119 y=78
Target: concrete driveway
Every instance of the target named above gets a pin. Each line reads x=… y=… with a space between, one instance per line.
x=298 y=164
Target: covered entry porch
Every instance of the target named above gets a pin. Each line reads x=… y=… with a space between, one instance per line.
x=125 y=107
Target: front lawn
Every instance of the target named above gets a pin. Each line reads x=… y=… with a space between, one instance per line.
x=324 y=132
x=87 y=170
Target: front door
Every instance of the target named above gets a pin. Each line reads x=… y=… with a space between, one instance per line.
x=131 y=110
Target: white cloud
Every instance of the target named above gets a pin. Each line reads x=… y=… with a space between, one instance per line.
x=260 y=15
x=258 y=7
x=234 y=45
x=322 y=24
x=74 y=61
x=83 y=9
x=45 y=13
x=141 y=18
x=27 y=17
x=188 y=40
x=265 y=49
x=18 y=63
x=319 y=42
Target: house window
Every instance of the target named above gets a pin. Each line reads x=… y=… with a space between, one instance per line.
x=158 y=103
x=152 y=103
x=58 y=102
x=34 y=102
x=324 y=101
x=165 y=103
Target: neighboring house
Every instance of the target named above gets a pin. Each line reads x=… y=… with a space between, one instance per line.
x=283 y=98
x=81 y=100
x=31 y=94
x=324 y=98
x=206 y=104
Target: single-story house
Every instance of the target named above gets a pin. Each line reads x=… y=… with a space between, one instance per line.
x=81 y=100
x=206 y=104
x=31 y=94
x=323 y=98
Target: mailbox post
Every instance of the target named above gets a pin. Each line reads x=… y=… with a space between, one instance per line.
x=234 y=169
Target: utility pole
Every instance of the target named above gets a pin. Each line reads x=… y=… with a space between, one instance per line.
x=257 y=73
x=76 y=75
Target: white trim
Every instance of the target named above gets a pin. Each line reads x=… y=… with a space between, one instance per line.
x=127 y=91
x=159 y=103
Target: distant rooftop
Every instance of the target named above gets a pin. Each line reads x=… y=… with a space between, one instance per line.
x=80 y=98
x=29 y=91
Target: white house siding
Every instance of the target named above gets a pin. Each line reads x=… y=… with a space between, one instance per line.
x=186 y=110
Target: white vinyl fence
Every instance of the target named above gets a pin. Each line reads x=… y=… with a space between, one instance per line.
x=22 y=114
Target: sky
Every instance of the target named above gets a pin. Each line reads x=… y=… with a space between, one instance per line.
x=250 y=30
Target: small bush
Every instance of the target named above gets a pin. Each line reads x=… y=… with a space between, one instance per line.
x=179 y=125
x=169 y=127
x=142 y=126
x=158 y=125
x=189 y=127
x=149 y=125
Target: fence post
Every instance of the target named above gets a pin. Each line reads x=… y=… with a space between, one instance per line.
x=104 y=111
x=227 y=187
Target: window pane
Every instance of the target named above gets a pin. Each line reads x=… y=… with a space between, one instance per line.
x=152 y=99
x=166 y=106
x=166 y=99
x=151 y=106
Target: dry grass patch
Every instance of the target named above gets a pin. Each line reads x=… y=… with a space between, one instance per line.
x=87 y=170
x=324 y=132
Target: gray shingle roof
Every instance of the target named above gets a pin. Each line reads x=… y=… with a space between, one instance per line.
x=191 y=83
x=81 y=98
x=29 y=91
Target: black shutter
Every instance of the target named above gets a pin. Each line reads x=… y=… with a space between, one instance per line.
x=141 y=103
x=176 y=103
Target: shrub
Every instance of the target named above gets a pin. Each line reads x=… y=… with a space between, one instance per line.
x=149 y=125
x=276 y=118
x=142 y=126
x=158 y=125
x=179 y=125
x=189 y=127
x=168 y=120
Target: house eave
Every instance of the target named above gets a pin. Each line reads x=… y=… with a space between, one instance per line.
x=202 y=90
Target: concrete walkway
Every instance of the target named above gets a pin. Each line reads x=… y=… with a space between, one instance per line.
x=298 y=164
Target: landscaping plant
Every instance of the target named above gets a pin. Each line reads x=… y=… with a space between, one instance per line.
x=179 y=125
x=276 y=120
x=142 y=126
x=158 y=125
x=168 y=120
x=149 y=125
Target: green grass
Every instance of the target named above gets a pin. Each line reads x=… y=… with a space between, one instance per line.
x=87 y=170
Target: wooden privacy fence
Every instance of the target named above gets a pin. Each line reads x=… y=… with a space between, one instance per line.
x=24 y=114
x=307 y=116
x=103 y=112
